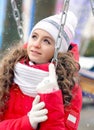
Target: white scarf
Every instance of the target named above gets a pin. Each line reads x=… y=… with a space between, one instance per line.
x=27 y=78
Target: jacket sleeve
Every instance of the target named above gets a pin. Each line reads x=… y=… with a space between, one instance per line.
x=16 y=124
x=59 y=117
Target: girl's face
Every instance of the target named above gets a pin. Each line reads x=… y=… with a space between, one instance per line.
x=41 y=47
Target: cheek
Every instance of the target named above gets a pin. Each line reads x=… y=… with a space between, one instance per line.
x=29 y=42
x=50 y=53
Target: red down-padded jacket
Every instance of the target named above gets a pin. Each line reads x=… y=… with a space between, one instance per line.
x=59 y=117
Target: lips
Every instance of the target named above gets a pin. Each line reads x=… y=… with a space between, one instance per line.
x=35 y=52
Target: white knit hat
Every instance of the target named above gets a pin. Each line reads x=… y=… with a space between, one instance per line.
x=52 y=25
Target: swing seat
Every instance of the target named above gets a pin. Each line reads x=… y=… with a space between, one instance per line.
x=87 y=82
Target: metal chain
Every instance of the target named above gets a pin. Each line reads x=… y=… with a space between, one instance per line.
x=16 y=15
x=62 y=21
x=17 y=18
x=92 y=6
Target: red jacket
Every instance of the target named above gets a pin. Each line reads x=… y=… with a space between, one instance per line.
x=59 y=118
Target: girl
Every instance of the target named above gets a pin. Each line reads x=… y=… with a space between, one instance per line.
x=33 y=95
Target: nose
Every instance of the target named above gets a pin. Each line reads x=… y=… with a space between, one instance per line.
x=37 y=43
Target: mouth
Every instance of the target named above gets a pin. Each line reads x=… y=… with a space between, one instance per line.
x=35 y=52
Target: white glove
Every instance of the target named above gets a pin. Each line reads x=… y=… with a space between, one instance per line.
x=49 y=84
x=37 y=113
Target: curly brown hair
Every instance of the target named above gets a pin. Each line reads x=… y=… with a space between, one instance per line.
x=66 y=69
x=67 y=72
x=10 y=57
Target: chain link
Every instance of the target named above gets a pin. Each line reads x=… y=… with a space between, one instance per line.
x=16 y=15
x=62 y=22
x=92 y=6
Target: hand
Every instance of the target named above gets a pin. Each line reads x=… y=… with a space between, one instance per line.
x=37 y=113
x=49 y=84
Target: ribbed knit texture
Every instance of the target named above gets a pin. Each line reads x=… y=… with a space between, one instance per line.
x=28 y=78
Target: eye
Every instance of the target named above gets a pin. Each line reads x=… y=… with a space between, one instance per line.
x=34 y=36
x=47 y=41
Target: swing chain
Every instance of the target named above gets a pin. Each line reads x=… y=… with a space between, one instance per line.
x=16 y=15
x=64 y=13
x=92 y=6
x=62 y=21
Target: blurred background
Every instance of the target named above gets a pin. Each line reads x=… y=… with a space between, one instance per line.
x=17 y=17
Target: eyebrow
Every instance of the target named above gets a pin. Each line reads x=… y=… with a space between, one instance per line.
x=34 y=33
x=50 y=38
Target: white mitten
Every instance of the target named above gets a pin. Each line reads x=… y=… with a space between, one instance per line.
x=49 y=84
x=37 y=113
